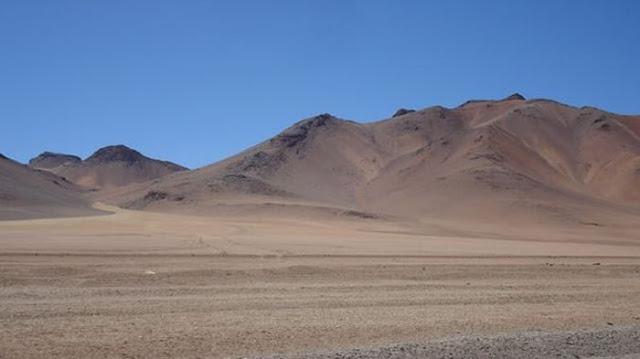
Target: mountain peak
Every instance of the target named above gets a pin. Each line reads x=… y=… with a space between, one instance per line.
x=402 y=112
x=320 y=120
x=301 y=130
x=515 y=96
x=52 y=159
x=115 y=153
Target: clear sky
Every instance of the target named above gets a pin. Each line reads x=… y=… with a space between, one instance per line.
x=195 y=81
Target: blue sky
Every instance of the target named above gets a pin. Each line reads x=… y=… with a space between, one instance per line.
x=195 y=81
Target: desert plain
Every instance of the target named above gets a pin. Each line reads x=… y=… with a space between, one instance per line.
x=143 y=284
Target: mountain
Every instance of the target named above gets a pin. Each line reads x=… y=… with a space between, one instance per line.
x=108 y=167
x=29 y=193
x=48 y=160
x=512 y=160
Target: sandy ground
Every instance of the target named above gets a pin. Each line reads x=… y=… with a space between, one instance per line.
x=182 y=306
x=154 y=285
x=139 y=232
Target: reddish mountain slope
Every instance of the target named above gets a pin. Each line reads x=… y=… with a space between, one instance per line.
x=530 y=160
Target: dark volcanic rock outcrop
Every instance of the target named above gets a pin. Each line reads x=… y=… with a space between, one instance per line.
x=515 y=96
x=302 y=130
x=402 y=112
x=115 y=153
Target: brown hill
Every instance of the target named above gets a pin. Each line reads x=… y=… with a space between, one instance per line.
x=108 y=167
x=512 y=160
x=28 y=193
x=48 y=160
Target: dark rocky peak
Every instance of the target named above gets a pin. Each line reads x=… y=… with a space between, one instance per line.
x=402 y=112
x=3 y=157
x=470 y=102
x=51 y=159
x=515 y=96
x=303 y=129
x=317 y=121
x=118 y=153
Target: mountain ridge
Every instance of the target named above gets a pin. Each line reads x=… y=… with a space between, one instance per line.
x=529 y=160
x=109 y=166
x=419 y=163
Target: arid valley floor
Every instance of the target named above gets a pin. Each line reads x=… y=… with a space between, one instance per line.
x=142 y=284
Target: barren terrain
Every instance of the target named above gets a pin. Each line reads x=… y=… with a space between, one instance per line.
x=140 y=284
x=506 y=228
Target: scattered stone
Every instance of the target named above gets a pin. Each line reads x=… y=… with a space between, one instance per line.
x=611 y=342
x=155 y=196
x=151 y=197
x=595 y=224
x=359 y=214
x=605 y=127
x=259 y=162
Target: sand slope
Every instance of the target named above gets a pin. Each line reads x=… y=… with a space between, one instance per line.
x=29 y=193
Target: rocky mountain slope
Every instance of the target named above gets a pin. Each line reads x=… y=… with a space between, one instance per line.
x=516 y=159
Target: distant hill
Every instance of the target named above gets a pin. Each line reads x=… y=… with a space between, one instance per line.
x=29 y=193
x=108 y=167
x=47 y=160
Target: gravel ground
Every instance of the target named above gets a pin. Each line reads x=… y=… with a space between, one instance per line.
x=166 y=306
x=613 y=342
